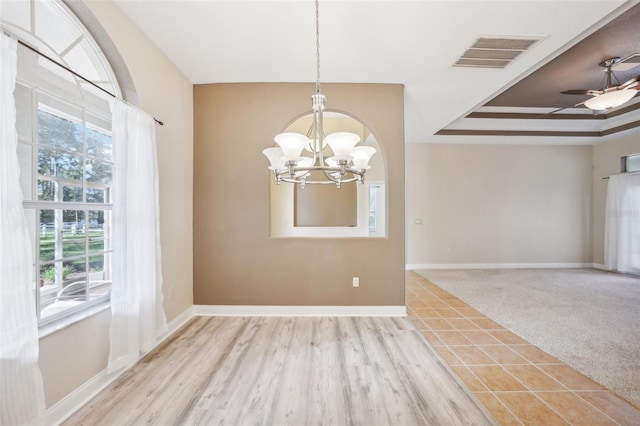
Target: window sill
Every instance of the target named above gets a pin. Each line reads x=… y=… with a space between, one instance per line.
x=62 y=323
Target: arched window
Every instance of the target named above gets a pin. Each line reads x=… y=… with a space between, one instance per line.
x=66 y=156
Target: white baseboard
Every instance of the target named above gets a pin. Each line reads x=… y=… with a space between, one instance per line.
x=497 y=265
x=176 y=323
x=600 y=266
x=68 y=405
x=80 y=396
x=300 y=311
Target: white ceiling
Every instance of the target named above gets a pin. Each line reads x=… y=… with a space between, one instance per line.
x=409 y=42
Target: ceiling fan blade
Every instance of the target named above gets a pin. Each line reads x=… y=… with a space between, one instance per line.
x=576 y=92
x=591 y=92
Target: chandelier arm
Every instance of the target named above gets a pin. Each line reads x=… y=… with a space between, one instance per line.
x=319 y=135
x=331 y=178
x=315 y=154
x=283 y=175
x=317 y=182
x=307 y=182
x=359 y=174
x=315 y=134
x=312 y=168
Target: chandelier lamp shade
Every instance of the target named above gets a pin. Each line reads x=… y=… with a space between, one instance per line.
x=345 y=163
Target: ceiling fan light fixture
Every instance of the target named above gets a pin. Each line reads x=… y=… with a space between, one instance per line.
x=610 y=100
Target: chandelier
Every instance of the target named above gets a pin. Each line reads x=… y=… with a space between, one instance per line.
x=348 y=163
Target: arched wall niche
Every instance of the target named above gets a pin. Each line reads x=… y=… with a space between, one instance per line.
x=323 y=211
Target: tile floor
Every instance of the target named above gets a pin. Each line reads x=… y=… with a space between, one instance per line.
x=518 y=382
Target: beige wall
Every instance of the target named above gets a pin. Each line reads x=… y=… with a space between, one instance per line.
x=74 y=355
x=235 y=260
x=606 y=162
x=165 y=93
x=498 y=204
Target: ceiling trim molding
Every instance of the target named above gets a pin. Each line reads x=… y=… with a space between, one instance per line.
x=622 y=111
x=547 y=116
x=620 y=128
x=456 y=132
x=560 y=133
x=534 y=116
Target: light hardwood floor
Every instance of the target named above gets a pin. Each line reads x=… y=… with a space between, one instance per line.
x=288 y=371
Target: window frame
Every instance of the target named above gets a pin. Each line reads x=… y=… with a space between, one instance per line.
x=36 y=206
x=105 y=58
x=625 y=163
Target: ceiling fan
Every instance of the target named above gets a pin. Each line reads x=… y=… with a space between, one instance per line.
x=610 y=95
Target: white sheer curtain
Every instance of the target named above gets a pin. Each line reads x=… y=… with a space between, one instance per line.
x=21 y=391
x=136 y=296
x=622 y=224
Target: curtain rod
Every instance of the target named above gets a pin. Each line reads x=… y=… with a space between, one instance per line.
x=623 y=173
x=33 y=49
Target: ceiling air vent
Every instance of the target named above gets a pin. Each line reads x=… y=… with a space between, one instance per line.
x=493 y=52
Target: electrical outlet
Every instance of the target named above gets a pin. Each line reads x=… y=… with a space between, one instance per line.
x=356 y=281
x=172 y=293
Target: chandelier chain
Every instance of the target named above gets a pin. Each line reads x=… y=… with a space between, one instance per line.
x=317 y=48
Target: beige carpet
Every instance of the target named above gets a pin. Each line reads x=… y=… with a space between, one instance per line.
x=588 y=319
